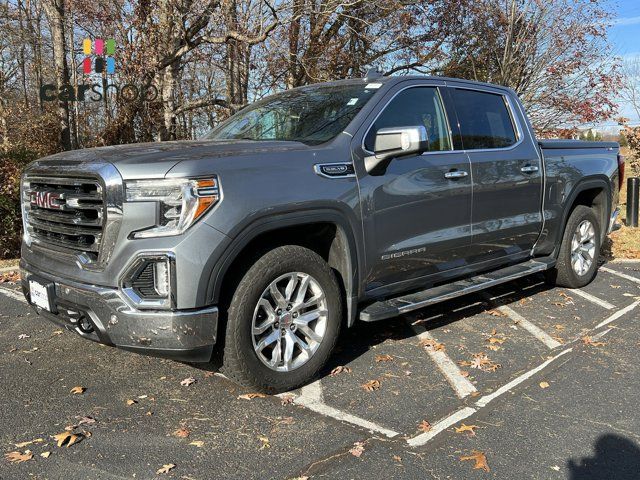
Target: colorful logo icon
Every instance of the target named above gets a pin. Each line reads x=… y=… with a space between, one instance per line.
x=103 y=51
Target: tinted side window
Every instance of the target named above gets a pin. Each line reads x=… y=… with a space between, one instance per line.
x=414 y=107
x=484 y=120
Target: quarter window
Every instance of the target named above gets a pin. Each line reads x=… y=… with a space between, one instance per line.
x=414 y=107
x=484 y=120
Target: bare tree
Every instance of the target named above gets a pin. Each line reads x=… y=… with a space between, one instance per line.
x=630 y=90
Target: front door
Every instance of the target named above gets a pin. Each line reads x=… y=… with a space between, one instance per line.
x=507 y=175
x=417 y=211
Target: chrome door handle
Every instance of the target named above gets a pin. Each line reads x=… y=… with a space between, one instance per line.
x=456 y=174
x=529 y=169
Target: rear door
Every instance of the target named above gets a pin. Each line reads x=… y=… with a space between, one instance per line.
x=506 y=172
x=416 y=214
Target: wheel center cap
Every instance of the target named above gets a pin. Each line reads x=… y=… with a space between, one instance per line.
x=286 y=319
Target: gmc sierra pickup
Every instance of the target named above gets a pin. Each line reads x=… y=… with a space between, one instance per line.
x=356 y=200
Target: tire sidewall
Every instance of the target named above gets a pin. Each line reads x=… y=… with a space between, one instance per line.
x=272 y=265
x=579 y=214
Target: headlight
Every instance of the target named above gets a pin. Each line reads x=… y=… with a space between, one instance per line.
x=181 y=201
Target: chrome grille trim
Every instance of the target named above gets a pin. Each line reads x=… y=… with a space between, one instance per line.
x=85 y=220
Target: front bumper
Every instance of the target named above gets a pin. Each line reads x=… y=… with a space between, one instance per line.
x=184 y=335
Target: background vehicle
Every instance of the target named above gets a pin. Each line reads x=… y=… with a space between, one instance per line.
x=314 y=208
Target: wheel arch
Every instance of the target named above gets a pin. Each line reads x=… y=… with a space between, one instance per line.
x=325 y=231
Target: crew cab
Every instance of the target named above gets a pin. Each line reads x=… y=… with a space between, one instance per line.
x=303 y=213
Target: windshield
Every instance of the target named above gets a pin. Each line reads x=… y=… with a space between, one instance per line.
x=311 y=115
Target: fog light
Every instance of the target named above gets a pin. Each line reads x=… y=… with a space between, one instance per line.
x=148 y=282
x=161 y=278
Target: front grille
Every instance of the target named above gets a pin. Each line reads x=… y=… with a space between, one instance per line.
x=65 y=214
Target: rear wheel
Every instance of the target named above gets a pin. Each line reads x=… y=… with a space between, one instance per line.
x=283 y=320
x=579 y=251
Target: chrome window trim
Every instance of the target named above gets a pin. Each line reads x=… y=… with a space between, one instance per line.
x=109 y=178
x=434 y=86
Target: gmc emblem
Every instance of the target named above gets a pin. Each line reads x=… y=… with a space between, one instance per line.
x=48 y=200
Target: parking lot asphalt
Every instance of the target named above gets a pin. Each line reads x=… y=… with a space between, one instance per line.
x=546 y=381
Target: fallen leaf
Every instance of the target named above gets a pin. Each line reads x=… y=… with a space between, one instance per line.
x=287 y=400
x=424 y=426
x=471 y=429
x=384 y=358
x=265 y=443
x=57 y=332
x=615 y=286
x=589 y=341
x=339 y=369
x=493 y=348
x=87 y=420
x=357 y=450
x=480 y=459
x=23 y=336
x=131 y=402
x=19 y=457
x=181 y=433
x=496 y=313
x=78 y=390
x=544 y=384
x=45 y=454
x=397 y=458
x=432 y=345
x=165 y=469
x=197 y=443
x=499 y=341
x=251 y=396
x=559 y=327
x=464 y=373
x=371 y=385
x=68 y=438
x=24 y=444
x=188 y=381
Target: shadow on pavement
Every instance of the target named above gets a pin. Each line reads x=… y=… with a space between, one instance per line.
x=615 y=457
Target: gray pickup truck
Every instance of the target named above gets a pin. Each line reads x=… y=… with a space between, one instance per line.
x=356 y=200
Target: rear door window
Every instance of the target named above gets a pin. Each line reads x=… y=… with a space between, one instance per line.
x=485 y=121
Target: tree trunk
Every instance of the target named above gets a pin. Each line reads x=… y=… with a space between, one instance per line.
x=55 y=12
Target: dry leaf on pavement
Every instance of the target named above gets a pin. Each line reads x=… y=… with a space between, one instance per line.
x=480 y=459
x=371 y=385
x=68 y=438
x=78 y=390
x=496 y=313
x=339 y=369
x=251 y=396
x=19 y=457
x=357 y=449
x=165 y=469
x=424 y=426
x=589 y=341
x=188 y=381
x=24 y=444
x=544 y=384
x=470 y=429
x=265 y=443
x=432 y=345
x=384 y=358
x=131 y=402
x=181 y=433
x=45 y=454
x=197 y=443
x=287 y=400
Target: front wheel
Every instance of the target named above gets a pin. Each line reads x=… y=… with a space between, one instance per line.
x=578 y=257
x=283 y=320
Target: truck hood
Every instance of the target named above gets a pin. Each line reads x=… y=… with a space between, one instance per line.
x=155 y=159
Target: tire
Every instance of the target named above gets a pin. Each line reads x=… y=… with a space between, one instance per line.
x=565 y=273
x=254 y=307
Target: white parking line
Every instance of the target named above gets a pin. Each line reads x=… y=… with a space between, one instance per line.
x=593 y=299
x=620 y=274
x=12 y=294
x=483 y=401
x=618 y=314
x=534 y=330
x=311 y=398
x=461 y=385
x=440 y=426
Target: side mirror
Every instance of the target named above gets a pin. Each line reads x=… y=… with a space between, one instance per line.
x=395 y=142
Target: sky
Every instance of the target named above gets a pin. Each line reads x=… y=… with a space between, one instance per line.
x=625 y=37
